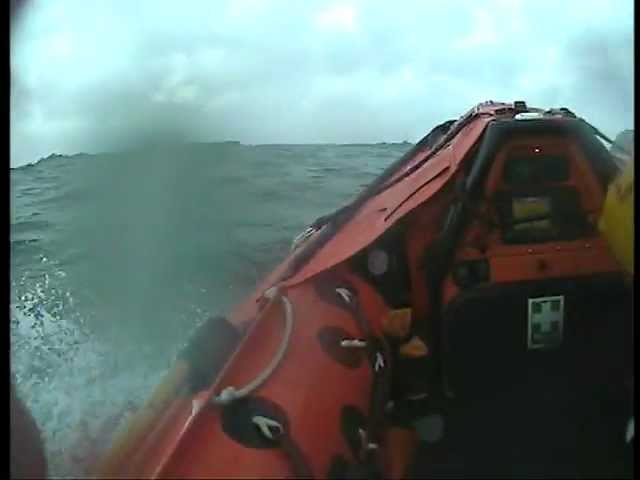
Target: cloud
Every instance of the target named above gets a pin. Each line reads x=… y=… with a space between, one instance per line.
x=600 y=64
x=340 y=17
x=484 y=32
x=103 y=75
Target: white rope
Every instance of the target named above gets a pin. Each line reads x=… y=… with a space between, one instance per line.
x=265 y=424
x=345 y=294
x=302 y=237
x=231 y=393
x=353 y=343
x=379 y=362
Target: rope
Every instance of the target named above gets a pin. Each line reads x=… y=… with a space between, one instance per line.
x=302 y=237
x=231 y=393
x=265 y=424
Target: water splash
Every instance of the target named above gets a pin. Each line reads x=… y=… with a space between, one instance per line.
x=78 y=389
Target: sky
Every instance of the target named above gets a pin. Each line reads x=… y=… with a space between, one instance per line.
x=106 y=75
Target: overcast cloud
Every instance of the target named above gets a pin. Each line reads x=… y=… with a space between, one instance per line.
x=105 y=75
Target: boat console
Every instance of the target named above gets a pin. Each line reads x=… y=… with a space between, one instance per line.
x=525 y=312
x=530 y=316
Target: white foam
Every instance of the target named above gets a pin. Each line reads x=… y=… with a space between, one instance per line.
x=69 y=380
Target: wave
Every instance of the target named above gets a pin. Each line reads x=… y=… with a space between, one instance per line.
x=53 y=157
x=137 y=249
x=22 y=226
x=70 y=381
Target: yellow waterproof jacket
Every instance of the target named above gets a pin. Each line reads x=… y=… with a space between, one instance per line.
x=616 y=222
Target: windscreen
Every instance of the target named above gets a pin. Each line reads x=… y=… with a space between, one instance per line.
x=536 y=168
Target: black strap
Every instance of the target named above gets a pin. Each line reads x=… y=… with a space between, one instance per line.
x=300 y=465
x=205 y=356
x=343 y=294
x=280 y=435
x=379 y=356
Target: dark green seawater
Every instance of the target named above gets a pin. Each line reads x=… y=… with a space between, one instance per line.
x=116 y=257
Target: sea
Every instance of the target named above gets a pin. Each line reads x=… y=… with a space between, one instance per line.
x=116 y=257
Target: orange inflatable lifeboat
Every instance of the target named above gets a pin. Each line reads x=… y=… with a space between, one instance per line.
x=462 y=316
